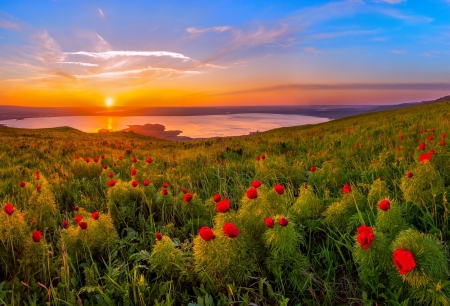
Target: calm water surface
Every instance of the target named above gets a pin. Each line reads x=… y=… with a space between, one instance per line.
x=192 y=126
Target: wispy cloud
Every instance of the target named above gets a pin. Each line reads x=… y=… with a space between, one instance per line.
x=394 y=1
x=312 y=50
x=5 y=24
x=406 y=18
x=194 y=30
x=137 y=71
x=79 y=63
x=345 y=33
x=111 y=54
x=398 y=51
x=101 y=15
x=46 y=48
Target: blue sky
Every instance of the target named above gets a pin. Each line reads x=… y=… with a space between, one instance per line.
x=224 y=52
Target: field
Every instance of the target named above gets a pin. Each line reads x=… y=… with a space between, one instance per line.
x=350 y=212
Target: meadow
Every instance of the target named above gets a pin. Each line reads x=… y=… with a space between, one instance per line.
x=349 y=212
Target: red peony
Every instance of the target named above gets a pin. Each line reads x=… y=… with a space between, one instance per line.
x=422 y=146
x=223 y=206
x=76 y=208
x=8 y=209
x=164 y=191
x=217 y=197
x=252 y=193
x=78 y=219
x=257 y=158
x=77 y=157
x=206 y=233
x=430 y=138
x=95 y=159
x=149 y=160
x=270 y=222
x=442 y=143
x=184 y=190
x=279 y=189
x=165 y=185
x=134 y=160
x=135 y=183
x=133 y=172
x=444 y=135
x=146 y=183
x=230 y=230
x=105 y=167
x=158 y=236
x=87 y=159
x=65 y=224
x=111 y=174
x=187 y=197
x=409 y=175
x=263 y=157
x=38 y=188
x=120 y=157
x=347 y=188
x=95 y=215
x=384 y=205
x=425 y=158
x=431 y=152
x=256 y=184
x=365 y=236
x=312 y=168
x=283 y=222
x=403 y=260
x=22 y=184
x=111 y=183
x=102 y=156
x=83 y=225
x=37 y=236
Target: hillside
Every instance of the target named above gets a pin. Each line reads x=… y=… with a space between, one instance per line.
x=317 y=231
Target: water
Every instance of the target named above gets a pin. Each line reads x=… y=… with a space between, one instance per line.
x=192 y=126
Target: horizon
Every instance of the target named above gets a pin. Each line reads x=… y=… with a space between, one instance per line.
x=152 y=54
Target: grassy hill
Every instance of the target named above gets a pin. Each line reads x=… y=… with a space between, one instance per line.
x=323 y=237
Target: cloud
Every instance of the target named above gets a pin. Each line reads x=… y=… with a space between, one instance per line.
x=398 y=51
x=344 y=86
x=281 y=35
x=47 y=50
x=79 y=63
x=345 y=33
x=194 y=30
x=137 y=71
x=406 y=18
x=312 y=50
x=9 y=25
x=101 y=15
x=111 y=54
x=394 y=1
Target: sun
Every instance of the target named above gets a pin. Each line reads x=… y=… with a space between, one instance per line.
x=109 y=102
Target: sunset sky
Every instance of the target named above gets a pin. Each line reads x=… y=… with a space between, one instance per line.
x=200 y=53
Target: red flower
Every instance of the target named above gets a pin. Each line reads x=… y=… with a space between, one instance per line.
x=83 y=224
x=279 y=189
x=120 y=157
x=184 y=190
x=111 y=174
x=158 y=236
x=105 y=167
x=95 y=215
x=401 y=137
x=256 y=184
x=365 y=236
x=305 y=186
x=270 y=222
x=223 y=206
x=102 y=156
x=257 y=158
x=165 y=185
x=133 y=172
x=217 y=197
x=95 y=159
x=252 y=193
x=347 y=188
x=8 y=209
x=312 y=168
x=422 y=146
x=230 y=230
x=442 y=143
x=135 y=183
x=431 y=152
x=206 y=233
x=87 y=159
x=263 y=157
x=384 y=205
x=283 y=222
x=22 y=184
x=146 y=183
x=399 y=148
x=76 y=208
x=409 y=175
x=187 y=197
x=430 y=138
x=444 y=135
x=114 y=164
x=77 y=157
x=425 y=158
x=65 y=224
x=164 y=191
x=38 y=188
x=37 y=236
x=134 y=160
x=78 y=219
x=111 y=183
x=149 y=160
x=403 y=260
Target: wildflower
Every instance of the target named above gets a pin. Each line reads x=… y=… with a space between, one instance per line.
x=95 y=215
x=257 y=158
x=270 y=222
x=279 y=189
x=87 y=159
x=134 y=160
x=135 y=183
x=111 y=174
x=77 y=157
x=252 y=193
x=133 y=172
x=8 y=209
x=283 y=222
x=165 y=185
x=230 y=230
x=76 y=208
x=102 y=156
x=365 y=236
x=444 y=135
x=158 y=236
x=111 y=183
x=83 y=225
x=425 y=158
x=430 y=138
x=164 y=191
x=217 y=198
x=22 y=184
x=206 y=233
x=347 y=188
x=431 y=152
x=184 y=190
x=401 y=137
x=95 y=159
x=187 y=197
x=409 y=175
x=65 y=224
x=146 y=183
x=312 y=168
x=223 y=206
x=105 y=167
x=78 y=219
x=263 y=157
x=120 y=157
x=37 y=236
x=149 y=160
x=442 y=143
x=422 y=146
x=38 y=188
x=384 y=205
x=399 y=148
x=403 y=260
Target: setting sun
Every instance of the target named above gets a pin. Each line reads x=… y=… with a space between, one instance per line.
x=109 y=102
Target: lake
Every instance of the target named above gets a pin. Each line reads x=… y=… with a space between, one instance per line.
x=192 y=126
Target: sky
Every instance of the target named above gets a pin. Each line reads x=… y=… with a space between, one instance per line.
x=214 y=53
